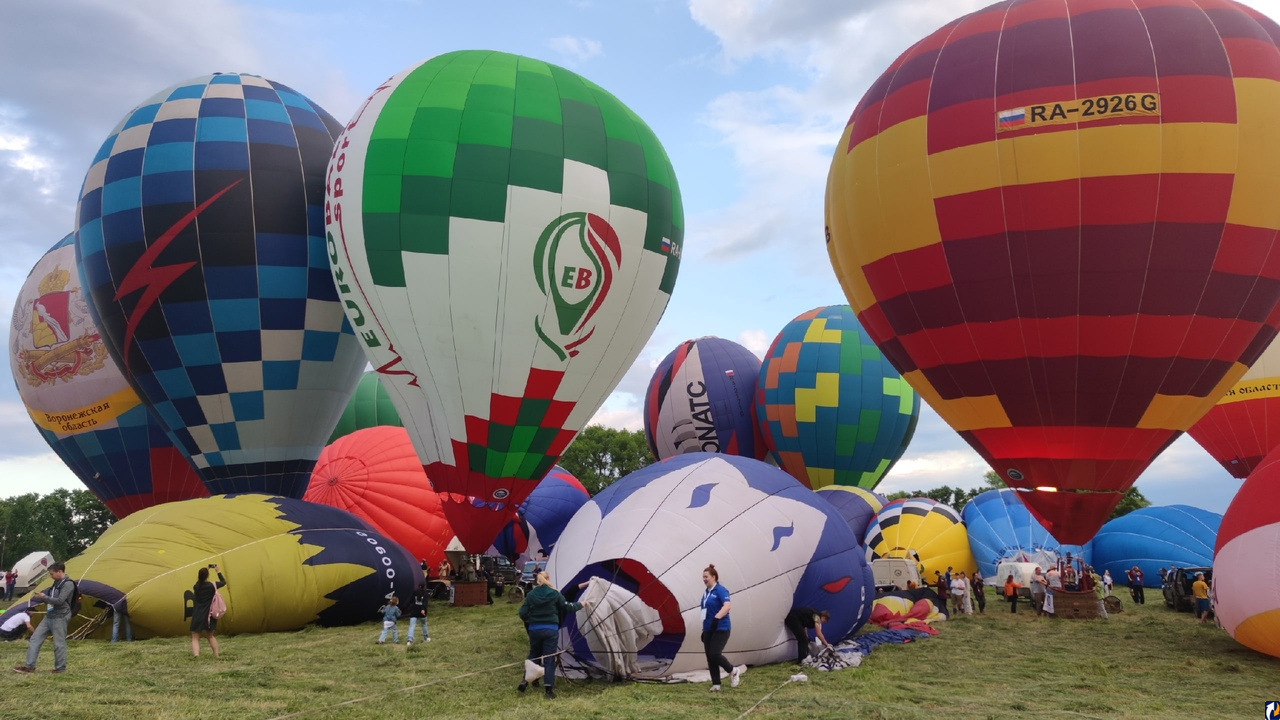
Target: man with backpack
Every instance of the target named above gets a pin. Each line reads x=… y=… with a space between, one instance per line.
x=61 y=606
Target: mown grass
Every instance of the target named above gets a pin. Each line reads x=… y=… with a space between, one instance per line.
x=1145 y=662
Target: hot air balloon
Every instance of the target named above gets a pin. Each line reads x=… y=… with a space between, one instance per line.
x=375 y=475
x=369 y=406
x=200 y=240
x=857 y=506
x=830 y=406
x=287 y=563
x=923 y=530
x=1001 y=528
x=700 y=399
x=647 y=537
x=80 y=402
x=505 y=236
x=1237 y=431
x=543 y=516
x=1151 y=538
x=1246 y=562
x=1054 y=218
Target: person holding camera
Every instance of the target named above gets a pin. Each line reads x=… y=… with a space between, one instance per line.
x=202 y=621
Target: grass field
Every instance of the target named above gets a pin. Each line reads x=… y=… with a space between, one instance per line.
x=1145 y=662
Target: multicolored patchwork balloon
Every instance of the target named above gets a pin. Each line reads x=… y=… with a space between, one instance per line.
x=369 y=406
x=81 y=403
x=505 y=236
x=702 y=399
x=1239 y=431
x=1057 y=219
x=200 y=239
x=830 y=406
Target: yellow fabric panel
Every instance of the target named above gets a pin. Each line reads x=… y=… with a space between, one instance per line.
x=969 y=413
x=101 y=413
x=1261 y=632
x=825 y=393
x=821 y=477
x=818 y=332
x=889 y=200
x=1180 y=412
x=939 y=542
x=842 y=225
x=1257 y=389
x=1253 y=197
x=1091 y=152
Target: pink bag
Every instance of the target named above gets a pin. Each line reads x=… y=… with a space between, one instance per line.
x=218 y=607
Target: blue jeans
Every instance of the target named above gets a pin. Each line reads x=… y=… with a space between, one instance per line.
x=116 y=620
x=395 y=629
x=413 y=623
x=56 y=626
x=8 y=591
x=542 y=645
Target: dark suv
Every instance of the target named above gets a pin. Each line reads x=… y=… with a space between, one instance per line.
x=500 y=567
x=1177 y=587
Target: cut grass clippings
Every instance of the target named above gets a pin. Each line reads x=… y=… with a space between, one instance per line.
x=1148 y=661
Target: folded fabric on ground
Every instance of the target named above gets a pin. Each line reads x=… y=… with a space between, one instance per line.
x=897 y=613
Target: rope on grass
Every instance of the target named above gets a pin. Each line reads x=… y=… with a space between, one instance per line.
x=410 y=688
x=766 y=697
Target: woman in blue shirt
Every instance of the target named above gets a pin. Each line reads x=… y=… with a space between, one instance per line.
x=715 y=628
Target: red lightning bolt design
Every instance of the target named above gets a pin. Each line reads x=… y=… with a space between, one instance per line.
x=156 y=279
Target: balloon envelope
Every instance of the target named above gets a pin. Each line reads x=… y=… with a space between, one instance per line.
x=505 y=235
x=1034 y=215
x=857 y=506
x=287 y=563
x=1245 y=424
x=701 y=399
x=1002 y=528
x=923 y=530
x=200 y=236
x=774 y=544
x=369 y=406
x=830 y=405
x=1162 y=536
x=79 y=400
x=1246 y=562
x=375 y=475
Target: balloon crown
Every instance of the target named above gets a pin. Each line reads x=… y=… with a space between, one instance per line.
x=54 y=281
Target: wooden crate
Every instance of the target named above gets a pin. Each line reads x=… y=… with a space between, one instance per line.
x=1075 y=605
x=467 y=594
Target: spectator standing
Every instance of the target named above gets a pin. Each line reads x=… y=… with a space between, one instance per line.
x=956 y=587
x=1200 y=591
x=979 y=592
x=715 y=628
x=1135 y=586
x=943 y=588
x=10 y=583
x=390 y=620
x=54 y=623
x=418 y=613
x=203 y=623
x=1011 y=594
x=1039 y=589
x=541 y=612
x=1106 y=583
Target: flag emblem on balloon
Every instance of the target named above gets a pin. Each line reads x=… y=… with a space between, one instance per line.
x=576 y=257
x=52 y=353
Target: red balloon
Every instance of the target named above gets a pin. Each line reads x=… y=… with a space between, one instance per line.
x=1058 y=220
x=375 y=474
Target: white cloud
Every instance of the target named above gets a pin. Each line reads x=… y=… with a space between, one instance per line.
x=757 y=341
x=579 y=49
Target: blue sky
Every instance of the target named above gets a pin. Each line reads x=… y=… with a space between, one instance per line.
x=748 y=97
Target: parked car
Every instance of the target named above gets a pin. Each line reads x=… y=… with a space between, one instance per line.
x=500 y=567
x=1177 y=587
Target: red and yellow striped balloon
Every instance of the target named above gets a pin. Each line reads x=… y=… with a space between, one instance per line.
x=1245 y=424
x=1056 y=218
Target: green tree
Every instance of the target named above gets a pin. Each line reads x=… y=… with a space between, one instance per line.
x=64 y=522
x=955 y=497
x=1133 y=500
x=600 y=455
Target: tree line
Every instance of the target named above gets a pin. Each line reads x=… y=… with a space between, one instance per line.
x=959 y=497
x=64 y=522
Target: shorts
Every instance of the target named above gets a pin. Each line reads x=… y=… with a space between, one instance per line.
x=1202 y=606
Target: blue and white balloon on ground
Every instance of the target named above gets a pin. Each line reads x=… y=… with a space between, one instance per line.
x=647 y=537
x=1151 y=538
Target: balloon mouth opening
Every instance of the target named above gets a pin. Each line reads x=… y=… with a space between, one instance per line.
x=632 y=577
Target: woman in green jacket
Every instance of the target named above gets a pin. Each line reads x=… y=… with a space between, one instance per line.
x=541 y=613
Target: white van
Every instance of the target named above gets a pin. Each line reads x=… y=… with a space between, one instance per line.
x=1022 y=573
x=890 y=573
x=32 y=570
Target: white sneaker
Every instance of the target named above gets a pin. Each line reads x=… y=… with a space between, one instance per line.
x=427 y=640
x=409 y=641
x=735 y=677
x=715 y=688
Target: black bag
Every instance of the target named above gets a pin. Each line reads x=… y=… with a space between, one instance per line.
x=76 y=598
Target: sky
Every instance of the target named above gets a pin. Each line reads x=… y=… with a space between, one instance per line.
x=748 y=97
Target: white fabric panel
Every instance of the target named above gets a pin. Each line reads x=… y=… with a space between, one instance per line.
x=1246 y=574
